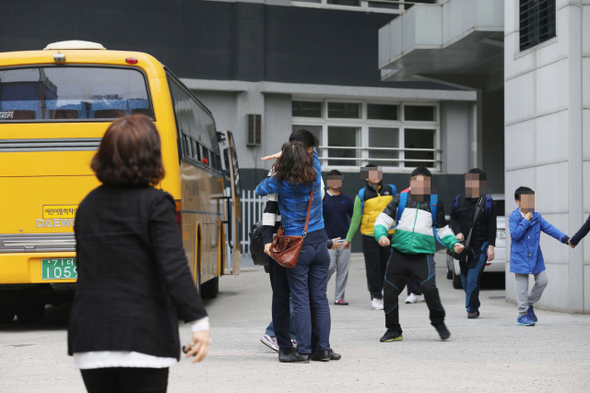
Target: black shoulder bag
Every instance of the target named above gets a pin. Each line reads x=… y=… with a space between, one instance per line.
x=257 y=245
x=468 y=251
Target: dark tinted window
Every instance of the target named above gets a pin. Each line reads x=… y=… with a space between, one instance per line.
x=382 y=112
x=344 y=110
x=537 y=22
x=72 y=93
x=195 y=125
x=307 y=109
x=419 y=113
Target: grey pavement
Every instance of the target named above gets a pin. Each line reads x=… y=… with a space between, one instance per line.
x=490 y=354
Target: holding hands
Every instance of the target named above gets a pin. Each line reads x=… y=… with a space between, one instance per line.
x=336 y=245
x=458 y=248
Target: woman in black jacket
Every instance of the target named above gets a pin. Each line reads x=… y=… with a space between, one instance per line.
x=133 y=278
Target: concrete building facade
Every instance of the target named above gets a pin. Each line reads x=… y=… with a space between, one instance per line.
x=530 y=61
x=548 y=140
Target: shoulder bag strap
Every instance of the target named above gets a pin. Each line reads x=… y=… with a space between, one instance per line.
x=480 y=203
x=308 y=212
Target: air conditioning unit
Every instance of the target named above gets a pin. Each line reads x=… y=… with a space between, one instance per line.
x=253 y=128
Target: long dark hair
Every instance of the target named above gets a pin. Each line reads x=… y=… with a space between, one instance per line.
x=295 y=164
x=130 y=154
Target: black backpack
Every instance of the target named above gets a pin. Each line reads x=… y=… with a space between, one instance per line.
x=257 y=245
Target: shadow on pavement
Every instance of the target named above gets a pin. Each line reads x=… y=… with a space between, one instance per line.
x=56 y=318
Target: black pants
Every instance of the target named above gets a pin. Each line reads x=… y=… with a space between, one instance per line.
x=421 y=267
x=413 y=286
x=281 y=312
x=126 y=380
x=376 y=258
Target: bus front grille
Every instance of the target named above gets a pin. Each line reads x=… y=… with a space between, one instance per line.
x=51 y=242
x=54 y=144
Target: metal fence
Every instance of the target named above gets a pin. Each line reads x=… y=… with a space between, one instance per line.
x=252 y=209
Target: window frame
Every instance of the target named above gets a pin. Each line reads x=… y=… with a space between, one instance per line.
x=365 y=124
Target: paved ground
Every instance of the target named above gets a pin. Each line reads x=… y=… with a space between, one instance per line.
x=491 y=354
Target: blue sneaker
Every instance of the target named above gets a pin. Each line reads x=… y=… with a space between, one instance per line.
x=531 y=314
x=524 y=320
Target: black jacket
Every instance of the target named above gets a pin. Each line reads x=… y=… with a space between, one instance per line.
x=133 y=277
x=484 y=229
x=583 y=231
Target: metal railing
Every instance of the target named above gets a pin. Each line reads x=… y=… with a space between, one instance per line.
x=364 y=159
x=252 y=209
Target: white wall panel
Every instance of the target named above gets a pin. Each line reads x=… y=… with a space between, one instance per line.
x=551 y=132
x=520 y=145
x=586 y=134
x=586 y=176
x=556 y=295
x=586 y=81
x=552 y=87
x=553 y=250
x=551 y=194
x=586 y=30
x=520 y=98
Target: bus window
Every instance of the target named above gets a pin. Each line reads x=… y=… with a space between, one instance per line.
x=196 y=153
x=194 y=120
x=72 y=93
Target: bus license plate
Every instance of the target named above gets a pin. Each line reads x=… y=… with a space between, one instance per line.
x=59 y=269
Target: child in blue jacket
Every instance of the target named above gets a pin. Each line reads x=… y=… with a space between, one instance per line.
x=525 y=253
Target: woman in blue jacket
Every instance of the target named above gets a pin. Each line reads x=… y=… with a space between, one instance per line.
x=525 y=253
x=297 y=172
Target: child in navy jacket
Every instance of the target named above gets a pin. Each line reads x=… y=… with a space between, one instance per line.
x=525 y=253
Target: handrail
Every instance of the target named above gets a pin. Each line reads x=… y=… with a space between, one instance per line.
x=378 y=159
x=380 y=148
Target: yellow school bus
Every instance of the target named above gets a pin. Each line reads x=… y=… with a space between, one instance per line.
x=55 y=106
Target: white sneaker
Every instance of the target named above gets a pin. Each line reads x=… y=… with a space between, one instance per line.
x=420 y=299
x=377 y=304
x=412 y=298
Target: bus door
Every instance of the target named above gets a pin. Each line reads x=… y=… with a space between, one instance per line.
x=233 y=207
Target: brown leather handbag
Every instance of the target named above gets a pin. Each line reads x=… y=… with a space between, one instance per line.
x=285 y=249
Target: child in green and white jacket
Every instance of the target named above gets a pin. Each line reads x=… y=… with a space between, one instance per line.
x=414 y=245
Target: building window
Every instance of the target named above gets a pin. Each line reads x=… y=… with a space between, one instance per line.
x=344 y=110
x=537 y=22
x=419 y=113
x=395 y=136
x=307 y=109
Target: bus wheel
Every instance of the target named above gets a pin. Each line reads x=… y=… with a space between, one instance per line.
x=30 y=310
x=210 y=289
x=7 y=313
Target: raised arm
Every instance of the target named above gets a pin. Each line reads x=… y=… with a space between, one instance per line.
x=518 y=228
x=267 y=186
